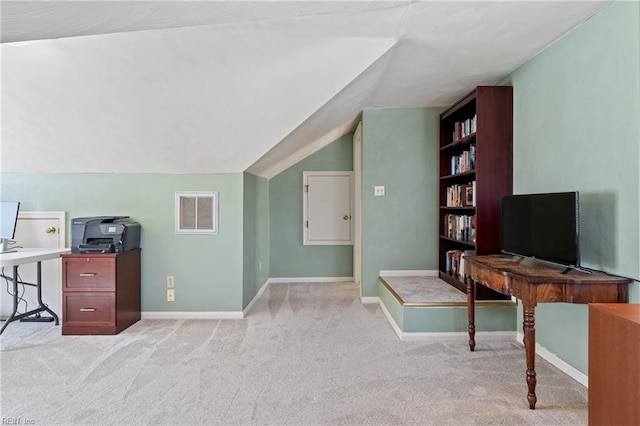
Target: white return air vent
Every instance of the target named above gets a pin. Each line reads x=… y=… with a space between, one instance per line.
x=196 y=212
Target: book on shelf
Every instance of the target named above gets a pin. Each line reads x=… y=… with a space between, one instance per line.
x=453 y=198
x=461 y=195
x=458 y=227
x=472 y=156
x=454 y=261
x=462 y=129
x=464 y=162
x=473 y=193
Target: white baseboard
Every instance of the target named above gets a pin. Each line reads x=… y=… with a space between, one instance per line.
x=413 y=273
x=309 y=280
x=367 y=300
x=386 y=313
x=556 y=361
x=456 y=336
x=150 y=315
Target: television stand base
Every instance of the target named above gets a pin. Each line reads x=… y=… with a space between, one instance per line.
x=576 y=268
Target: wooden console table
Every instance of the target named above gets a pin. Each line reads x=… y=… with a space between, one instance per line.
x=536 y=282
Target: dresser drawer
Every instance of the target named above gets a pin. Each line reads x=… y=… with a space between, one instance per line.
x=89 y=273
x=82 y=308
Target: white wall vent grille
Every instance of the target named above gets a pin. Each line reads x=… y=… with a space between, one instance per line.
x=196 y=212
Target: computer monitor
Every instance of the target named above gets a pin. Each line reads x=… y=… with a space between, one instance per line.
x=8 y=220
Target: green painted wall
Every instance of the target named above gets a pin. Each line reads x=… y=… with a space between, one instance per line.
x=399 y=230
x=289 y=257
x=576 y=111
x=453 y=319
x=207 y=268
x=255 y=236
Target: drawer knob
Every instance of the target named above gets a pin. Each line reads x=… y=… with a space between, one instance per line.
x=88 y=274
x=87 y=309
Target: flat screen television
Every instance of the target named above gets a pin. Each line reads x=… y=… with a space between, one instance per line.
x=542 y=226
x=8 y=220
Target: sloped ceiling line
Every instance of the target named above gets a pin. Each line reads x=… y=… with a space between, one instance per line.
x=228 y=86
x=42 y=20
x=333 y=120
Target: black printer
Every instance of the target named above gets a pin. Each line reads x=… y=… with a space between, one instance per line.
x=104 y=234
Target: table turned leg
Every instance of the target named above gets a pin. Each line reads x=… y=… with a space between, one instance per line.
x=530 y=349
x=471 y=312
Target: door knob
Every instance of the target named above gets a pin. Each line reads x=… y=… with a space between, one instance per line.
x=345 y=217
x=51 y=230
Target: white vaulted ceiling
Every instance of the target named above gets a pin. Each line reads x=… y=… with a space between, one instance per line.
x=229 y=86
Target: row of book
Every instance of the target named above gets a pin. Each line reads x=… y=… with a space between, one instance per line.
x=462 y=129
x=464 y=162
x=454 y=261
x=459 y=227
x=462 y=195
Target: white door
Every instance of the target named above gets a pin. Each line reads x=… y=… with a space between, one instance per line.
x=327 y=208
x=37 y=230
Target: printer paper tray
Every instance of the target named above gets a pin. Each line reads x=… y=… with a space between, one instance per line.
x=92 y=248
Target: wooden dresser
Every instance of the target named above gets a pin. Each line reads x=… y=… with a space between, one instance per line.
x=100 y=292
x=614 y=364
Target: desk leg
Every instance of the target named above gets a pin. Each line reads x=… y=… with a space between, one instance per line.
x=471 y=311
x=11 y=316
x=39 y=291
x=530 y=349
x=15 y=316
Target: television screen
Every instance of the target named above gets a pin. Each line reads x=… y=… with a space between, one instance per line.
x=543 y=226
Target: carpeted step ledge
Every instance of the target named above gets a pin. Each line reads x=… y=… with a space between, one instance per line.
x=420 y=306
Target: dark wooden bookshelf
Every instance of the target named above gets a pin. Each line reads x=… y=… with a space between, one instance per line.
x=467 y=140
x=466 y=244
x=493 y=172
x=459 y=176
x=458 y=208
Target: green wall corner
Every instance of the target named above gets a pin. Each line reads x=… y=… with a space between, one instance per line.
x=289 y=257
x=399 y=230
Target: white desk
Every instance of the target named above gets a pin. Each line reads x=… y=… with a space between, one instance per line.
x=15 y=259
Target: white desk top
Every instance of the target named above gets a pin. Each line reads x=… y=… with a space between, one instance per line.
x=27 y=255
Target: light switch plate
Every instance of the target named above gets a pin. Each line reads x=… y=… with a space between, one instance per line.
x=378 y=191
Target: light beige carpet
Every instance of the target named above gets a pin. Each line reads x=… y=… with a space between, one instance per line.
x=306 y=354
x=425 y=289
